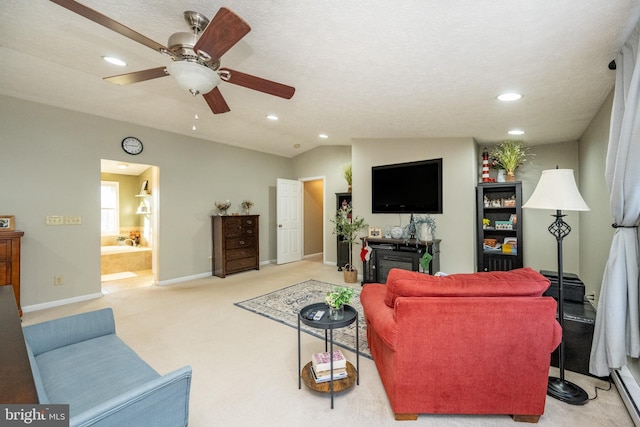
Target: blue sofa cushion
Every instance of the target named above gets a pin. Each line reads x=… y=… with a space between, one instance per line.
x=90 y=372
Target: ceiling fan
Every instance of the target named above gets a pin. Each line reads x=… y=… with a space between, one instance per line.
x=195 y=55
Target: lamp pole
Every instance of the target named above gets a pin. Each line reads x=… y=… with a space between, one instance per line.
x=560 y=388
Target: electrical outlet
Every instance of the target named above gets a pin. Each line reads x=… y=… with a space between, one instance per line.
x=58 y=280
x=73 y=220
x=54 y=220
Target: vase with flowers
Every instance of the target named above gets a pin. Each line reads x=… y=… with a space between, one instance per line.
x=246 y=205
x=336 y=300
x=508 y=156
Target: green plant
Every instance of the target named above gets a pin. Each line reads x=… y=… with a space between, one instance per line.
x=509 y=155
x=339 y=296
x=347 y=172
x=348 y=227
x=121 y=238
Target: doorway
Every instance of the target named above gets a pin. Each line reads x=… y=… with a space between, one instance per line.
x=129 y=212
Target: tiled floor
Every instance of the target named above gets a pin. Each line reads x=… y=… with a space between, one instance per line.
x=143 y=278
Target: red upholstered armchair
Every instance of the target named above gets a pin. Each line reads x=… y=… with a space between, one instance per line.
x=463 y=344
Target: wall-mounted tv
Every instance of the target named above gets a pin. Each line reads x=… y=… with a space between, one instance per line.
x=414 y=187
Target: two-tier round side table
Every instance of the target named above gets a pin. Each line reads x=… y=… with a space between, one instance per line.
x=350 y=316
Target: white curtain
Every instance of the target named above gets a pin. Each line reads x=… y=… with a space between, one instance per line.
x=617 y=328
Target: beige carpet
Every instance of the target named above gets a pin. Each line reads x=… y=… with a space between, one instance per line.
x=245 y=366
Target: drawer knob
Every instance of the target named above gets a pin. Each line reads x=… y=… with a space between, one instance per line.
x=241 y=242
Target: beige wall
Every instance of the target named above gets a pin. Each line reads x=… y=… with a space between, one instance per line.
x=455 y=226
x=596 y=232
x=50 y=163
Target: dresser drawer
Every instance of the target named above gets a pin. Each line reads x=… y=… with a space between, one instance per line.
x=5 y=249
x=242 y=253
x=240 y=242
x=234 y=265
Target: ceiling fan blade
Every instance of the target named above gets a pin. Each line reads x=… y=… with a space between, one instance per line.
x=109 y=23
x=224 y=30
x=137 y=76
x=257 y=83
x=216 y=102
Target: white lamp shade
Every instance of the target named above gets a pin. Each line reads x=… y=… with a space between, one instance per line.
x=557 y=190
x=194 y=77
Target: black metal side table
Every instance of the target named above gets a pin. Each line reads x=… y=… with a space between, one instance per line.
x=350 y=316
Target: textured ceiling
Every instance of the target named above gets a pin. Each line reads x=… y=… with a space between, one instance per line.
x=361 y=69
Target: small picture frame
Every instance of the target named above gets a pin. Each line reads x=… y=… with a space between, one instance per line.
x=375 y=232
x=7 y=222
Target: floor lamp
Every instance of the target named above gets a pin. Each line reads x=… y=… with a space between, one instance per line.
x=557 y=191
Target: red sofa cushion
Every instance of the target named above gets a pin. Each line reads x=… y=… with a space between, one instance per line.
x=524 y=282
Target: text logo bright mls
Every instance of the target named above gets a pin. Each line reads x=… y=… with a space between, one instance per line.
x=34 y=415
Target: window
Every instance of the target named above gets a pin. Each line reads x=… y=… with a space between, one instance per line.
x=110 y=213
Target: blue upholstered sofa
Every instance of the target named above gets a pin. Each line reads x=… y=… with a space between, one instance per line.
x=79 y=360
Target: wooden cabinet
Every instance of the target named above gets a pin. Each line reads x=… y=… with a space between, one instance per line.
x=343 y=200
x=10 y=262
x=235 y=244
x=501 y=204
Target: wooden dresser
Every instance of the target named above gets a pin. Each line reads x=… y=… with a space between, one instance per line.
x=10 y=262
x=236 y=246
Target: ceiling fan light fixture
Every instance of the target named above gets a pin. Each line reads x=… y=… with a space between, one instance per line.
x=194 y=77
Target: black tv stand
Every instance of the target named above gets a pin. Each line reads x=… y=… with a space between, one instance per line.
x=397 y=253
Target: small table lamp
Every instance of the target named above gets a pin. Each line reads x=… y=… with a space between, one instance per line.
x=557 y=191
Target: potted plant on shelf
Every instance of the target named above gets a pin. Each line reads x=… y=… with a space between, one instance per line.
x=508 y=156
x=348 y=227
x=347 y=173
x=336 y=301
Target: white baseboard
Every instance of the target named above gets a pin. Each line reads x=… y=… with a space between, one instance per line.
x=58 y=303
x=182 y=279
x=629 y=392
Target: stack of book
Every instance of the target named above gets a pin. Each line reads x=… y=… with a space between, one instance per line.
x=321 y=366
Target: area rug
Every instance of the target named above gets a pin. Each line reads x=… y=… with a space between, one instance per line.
x=284 y=305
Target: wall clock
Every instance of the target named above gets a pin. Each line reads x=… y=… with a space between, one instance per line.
x=132 y=145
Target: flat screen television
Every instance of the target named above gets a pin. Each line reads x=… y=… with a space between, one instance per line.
x=414 y=187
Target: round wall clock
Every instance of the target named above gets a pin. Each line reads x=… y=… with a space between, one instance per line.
x=132 y=145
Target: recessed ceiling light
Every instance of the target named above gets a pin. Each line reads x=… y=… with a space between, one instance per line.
x=122 y=165
x=115 y=61
x=272 y=117
x=516 y=132
x=509 y=96
x=296 y=145
x=323 y=136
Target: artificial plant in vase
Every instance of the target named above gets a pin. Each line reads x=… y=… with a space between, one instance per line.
x=349 y=228
x=336 y=300
x=347 y=173
x=508 y=156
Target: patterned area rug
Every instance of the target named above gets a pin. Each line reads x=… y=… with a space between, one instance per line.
x=284 y=305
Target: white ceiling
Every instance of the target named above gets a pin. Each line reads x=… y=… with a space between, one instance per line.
x=361 y=69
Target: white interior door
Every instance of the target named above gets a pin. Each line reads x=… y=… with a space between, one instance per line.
x=289 y=209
